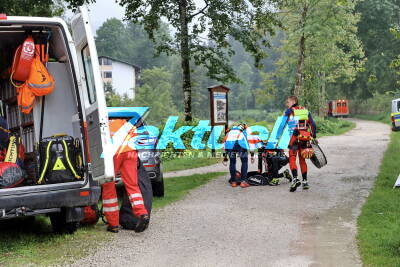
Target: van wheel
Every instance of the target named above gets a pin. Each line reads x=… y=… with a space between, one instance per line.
x=60 y=224
x=158 y=188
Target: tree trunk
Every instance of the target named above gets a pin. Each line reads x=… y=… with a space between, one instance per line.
x=185 y=60
x=302 y=54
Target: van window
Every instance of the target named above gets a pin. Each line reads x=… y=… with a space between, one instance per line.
x=398 y=106
x=89 y=77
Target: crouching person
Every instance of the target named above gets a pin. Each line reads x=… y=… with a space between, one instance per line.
x=125 y=163
x=236 y=143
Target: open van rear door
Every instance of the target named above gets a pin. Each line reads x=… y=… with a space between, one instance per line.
x=101 y=163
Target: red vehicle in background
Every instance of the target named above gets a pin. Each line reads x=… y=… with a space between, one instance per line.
x=338 y=108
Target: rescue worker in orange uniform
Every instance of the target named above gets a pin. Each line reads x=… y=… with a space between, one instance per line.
x=125 y=163
x=305 y=130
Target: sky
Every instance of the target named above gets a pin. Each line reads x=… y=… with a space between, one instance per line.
x=105 y=9
x=102 y=10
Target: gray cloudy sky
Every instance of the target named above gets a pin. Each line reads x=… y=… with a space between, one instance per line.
x=105 y=9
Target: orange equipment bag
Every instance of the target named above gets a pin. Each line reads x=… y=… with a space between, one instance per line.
x=26 y=99
x=40 y=82
x=23 y=58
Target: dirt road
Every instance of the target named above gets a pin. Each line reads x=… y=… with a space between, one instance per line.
x=217 y=225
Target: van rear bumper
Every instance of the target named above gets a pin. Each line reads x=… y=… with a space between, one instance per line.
x=78 y=197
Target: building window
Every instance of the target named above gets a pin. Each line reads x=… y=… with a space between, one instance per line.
x=105 y=61
x=107 y=74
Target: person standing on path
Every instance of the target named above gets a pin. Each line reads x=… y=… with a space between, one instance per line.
x=304 y=131
x=238 y=141
x=125 y=163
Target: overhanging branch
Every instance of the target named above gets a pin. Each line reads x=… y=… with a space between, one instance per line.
x=200 y=11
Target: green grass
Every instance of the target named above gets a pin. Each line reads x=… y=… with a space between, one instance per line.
x=185 y=163
x=379 y=223
x=31 y=242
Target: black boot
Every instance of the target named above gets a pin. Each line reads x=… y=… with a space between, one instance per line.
x=142 y=223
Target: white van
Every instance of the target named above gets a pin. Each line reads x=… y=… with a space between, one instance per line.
x=76 y=107
x=395 y=115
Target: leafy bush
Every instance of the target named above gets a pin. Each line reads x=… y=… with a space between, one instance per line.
x=332 y=126
x=378 y=104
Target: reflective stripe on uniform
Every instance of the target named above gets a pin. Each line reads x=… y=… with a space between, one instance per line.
x=138 y=202
x=135 y=195
x=110 y=201
x=40 y=86
x=110 y=209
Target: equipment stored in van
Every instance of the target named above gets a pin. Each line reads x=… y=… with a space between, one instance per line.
x=70 y=179
x=60 y=160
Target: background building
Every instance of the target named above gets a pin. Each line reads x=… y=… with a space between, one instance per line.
x=124 y=77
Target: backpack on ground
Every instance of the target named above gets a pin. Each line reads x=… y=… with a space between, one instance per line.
x=126 y=218
x=255 y=178
x=60 y=158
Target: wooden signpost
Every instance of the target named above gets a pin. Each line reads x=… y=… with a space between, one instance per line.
x=218 y=107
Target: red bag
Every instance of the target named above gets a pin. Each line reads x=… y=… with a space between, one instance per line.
x=11 y=175
x=91 y=214
x=23 y=58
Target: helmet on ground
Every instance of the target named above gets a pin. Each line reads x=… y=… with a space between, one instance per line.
x=307 y=153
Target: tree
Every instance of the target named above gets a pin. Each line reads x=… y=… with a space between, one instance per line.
x=42 y=8
x=320 y=49
x=201 y=32
x=380 y=46
x=130 y=43
x=112 y=40
x=155 y=93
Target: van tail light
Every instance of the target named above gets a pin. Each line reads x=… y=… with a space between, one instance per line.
x=84 y=193
x=3 y=16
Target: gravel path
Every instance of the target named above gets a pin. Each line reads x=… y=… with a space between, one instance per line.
x=217 y=225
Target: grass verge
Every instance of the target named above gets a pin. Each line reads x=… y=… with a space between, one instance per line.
x=333 y=126
x=385 y=118
x=378 y=225
x=183 y=163
x=30 y=242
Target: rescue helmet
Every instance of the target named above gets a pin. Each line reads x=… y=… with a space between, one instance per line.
x=307 y=153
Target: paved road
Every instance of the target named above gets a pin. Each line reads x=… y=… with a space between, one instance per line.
x=217 y=225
